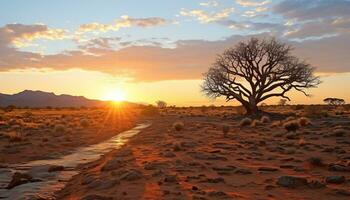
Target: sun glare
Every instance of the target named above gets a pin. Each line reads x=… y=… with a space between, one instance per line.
x=116 y=95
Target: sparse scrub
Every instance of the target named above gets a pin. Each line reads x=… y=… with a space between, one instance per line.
x=276 y=124
x=245 y=122
x=291 y=126
x=14 y=136
x=316 y=161
x=265 y=119
x=225 y=129
x=256 y=123
x=60 y=128
x=178 y=126
x=303 y=121
x=338 y=132
x=150 y=111
x=84 y=123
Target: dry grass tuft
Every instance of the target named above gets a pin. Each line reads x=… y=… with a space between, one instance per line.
x=265 y=119
x=303 y=121
x=60 y=128
x=14 y=136
x=256 y=123
x=225 y=129
x=178 y=126
x=338 y=132
x=291 y=126
x=84 y=123
x=245 y=122
x=316 y=161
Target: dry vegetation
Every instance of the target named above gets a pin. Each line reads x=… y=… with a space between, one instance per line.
x=298 y=152
x=30 y=134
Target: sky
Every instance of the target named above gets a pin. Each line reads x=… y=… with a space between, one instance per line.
x=158 y=50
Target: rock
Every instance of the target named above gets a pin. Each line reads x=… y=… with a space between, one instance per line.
x=19 y=179
x=55 y=168
x=342 y=192
x=153 y=165
x=132 y=175
x=188 y=144
x=216 y=180
x=227 y=168
x=291 y=181
x=112 y=165
x=217 y=194
x=168 y=154
x=314 y=184
x=267 y=169
x=335 y=179
x=338 y=168
x=205 y=156
x=96 y=197
x=243 y=171
x=170 y=178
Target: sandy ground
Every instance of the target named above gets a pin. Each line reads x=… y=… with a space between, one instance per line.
x=33 y=134
x=200 y=162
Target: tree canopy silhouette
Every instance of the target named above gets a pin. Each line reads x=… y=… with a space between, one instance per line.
x=256 y=70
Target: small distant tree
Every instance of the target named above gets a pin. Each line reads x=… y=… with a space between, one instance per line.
x=334 y=101
x=257 y=70
x=161 y=104
x=282 y=102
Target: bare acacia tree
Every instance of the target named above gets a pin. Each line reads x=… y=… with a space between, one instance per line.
x=334 y=101
x=256 y=70
x=161 y=104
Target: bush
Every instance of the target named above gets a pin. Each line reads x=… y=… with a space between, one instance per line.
x=84 y=123
x=60 y=128
x=316 y=161
x=150 y=111
x=225 y=129
x=256 y=123
x=14 y=136
x=245 y=122
x=303 y=121
x=291 y=126
x=265 y=119
x=178 y=126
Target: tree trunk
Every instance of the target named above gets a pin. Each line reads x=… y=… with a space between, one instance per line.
x=251 y=109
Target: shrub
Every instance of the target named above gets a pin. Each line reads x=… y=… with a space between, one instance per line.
x=84 y=123
x=276 y=124
x=316 y=161
x=245 y=122
x=338 y=132
x=225 y=129
x=303 y=121
x=150 y=111
x=14 y=136
x=60 y=128
x=256 y=123
x=178 y=126
x=301 y=142
x=291 y=126
x=27 y=114
x=265 y=119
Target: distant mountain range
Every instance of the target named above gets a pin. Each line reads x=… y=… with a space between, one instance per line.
x=43 y=99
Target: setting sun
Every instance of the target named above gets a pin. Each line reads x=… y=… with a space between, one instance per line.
x=116 y=95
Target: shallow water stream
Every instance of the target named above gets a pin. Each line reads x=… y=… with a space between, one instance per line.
x=50 y=182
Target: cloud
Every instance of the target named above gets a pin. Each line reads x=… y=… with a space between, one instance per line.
x=310 y=10
x=123 y=22
x=19 y=34
x=207 y=17
x=211 y=3
x=249 y=3
x=187 y=60
x=320 y=28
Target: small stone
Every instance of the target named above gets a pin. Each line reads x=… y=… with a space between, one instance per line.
x=335 y=179
x=170 y=178
x=243 y=171
x=96 y=197
x=267 y=169
x=55 y=168
x=291 y=181
x=132 y=175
